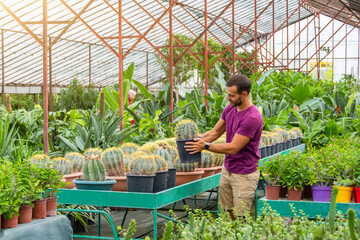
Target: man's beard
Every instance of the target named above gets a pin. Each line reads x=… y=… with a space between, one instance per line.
x=237 y=103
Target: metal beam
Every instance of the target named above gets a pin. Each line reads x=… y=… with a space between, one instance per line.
x=45 y=78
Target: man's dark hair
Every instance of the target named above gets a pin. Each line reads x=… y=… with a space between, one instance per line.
x=241 y=81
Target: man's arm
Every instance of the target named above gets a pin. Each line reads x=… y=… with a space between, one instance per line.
x=216 y=132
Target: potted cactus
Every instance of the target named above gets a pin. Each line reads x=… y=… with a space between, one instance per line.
x=169 y=154
x=161 y=173
x=185 y=172
x=141 y=174
x=219 y=157
x=113 y=159
x=94 y=173
x=77 y=161
x=298 y=135
x=185 y=131
x=207 y=164
x=129 y=148
x=63 y=165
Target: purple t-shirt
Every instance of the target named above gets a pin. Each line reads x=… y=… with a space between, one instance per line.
x=248 y=123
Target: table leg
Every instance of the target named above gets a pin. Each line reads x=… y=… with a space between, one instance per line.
x=154 y=212
x=124 y=218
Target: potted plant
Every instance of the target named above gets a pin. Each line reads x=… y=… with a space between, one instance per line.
x=54 y=183
x=207 y=164
x=357 y=189
x=270 y=172
x=77 y=162
x=170 y=154
x=186 y=130
x=345 y=190
x=220 y=157
x=185 y=172
x=94 y=174
x=113 y=159
x=141 y=174
x=161 y=173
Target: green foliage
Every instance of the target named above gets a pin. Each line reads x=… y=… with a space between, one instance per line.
x=271 y=170
x=113 y=159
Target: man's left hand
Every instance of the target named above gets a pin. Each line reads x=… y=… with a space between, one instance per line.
x=195 y=147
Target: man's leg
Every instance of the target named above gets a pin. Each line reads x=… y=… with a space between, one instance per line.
x=226 y=192
x=244 y=187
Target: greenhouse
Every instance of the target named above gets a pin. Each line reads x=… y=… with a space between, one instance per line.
x=178 y=119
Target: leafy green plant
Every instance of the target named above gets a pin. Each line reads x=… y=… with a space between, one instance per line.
x=271 y=170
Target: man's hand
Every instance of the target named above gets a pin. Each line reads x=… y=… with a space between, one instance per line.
x=195 y=147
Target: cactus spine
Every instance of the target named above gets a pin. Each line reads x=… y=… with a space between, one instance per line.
x=93 y=169
x=62 y=165
x=77 y=161
x=184 y=167
x=129 y=148
x=113 y=159
x=41 y=160
x=186 y=129
x=142 y=165
x=207 y=159
x=92 y=151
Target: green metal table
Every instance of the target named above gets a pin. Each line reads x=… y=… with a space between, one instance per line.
x=311 y=209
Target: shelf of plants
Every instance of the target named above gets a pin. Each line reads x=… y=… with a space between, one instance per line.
x=305 y=180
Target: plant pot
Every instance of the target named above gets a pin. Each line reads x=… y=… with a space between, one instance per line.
x=218 y=169
x=263 y=153
x=120 y=184
x=273 y=150
x=9 y=223
x=184 y=155
x=321 y=194
x=294 y=142
x=186 y=177
x=69 y=178
x=298 y=141
x=283 y=146
x=25 y=214
x=294 y=194
x=288 y=144
x=39 y=210
x=307 y=193
x=268 y=151
x=344 y=195
x=207 y=171
x=160 y=181
x=95 y=185
x=283 y=192
x=140 y=183
x=51 y=206
x=357 y=194
x=272 y=192
x=171 y=179
x=277 y=147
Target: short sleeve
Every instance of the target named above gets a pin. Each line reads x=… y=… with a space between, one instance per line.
x=225 y=111
x=248 y=127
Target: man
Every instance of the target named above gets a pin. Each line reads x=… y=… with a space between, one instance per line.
x=243 y=124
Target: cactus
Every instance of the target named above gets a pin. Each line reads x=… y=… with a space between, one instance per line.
x=127 y=160
x=283 y=133
x=77 y=161
x=161 y=143
x=184 y=167
x=170 y=141
x=92 y=151
x=129 y=148
x=332 y=212
x=142 y=165
x=351 y=223
x=297 y=131
x=219 y=159
x=165 y=153
x=292 y=134
x=207 y=159
x=8 y=103
x=261 y=144
x=113 y=159
x=41 y=160
x=267 y=139
x=160 y=162
x=93 y=169
x=275 y=138
x=149 y=147
x=186 y=129
x=61 y=164
x=174 y=153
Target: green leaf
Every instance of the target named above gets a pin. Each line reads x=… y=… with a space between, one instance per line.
x=331 y=128
x=301 y=92
x=69 y=144
x=129 y=73
x=143 y=90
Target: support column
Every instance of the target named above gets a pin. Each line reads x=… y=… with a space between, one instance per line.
x=89 y=66
x=147 y=71
x=2 y=67
x=346 y=49
x=171 y=61
x=50 y=78
x=318 y=50
x=206 y=51
x=233 y=34
x=287 y=35
x=45 y=78
x=120 y=63
x=273 y=30
x=256 y=38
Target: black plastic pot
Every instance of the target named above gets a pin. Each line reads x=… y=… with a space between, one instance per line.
x=184 y=155
x=171 y=180
x=298 y=141
x=268 y=151
x=273 y=149
x=288 y=144
x=277 y=147
x=293 y=142
x=283 y=146
x=160 y=181
x=262 y=152
x=140 y=183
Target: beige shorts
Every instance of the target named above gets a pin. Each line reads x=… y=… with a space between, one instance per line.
x=237 y=190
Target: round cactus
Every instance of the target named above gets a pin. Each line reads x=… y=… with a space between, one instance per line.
x=186 y=129
x=77 y=161
x=142 y=165
x=261 y=144
x=129 y=148
x=127 y=160
x=92 y=151
x=61 y=164
x=297 y=131
x=283 y=133
x=292 y=134
x=266 y=139
x=170 y=141
x=174 y=153
x=164 y=153
x=113 y=159
x=219 y=159
x=161 y=143
x=94 y=169
x=150 y=147
x=207 y=159
x=41 y=160
x=184 y=167
x=160 y=162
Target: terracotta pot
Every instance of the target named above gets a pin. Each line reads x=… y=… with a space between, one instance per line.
x=185 y=177
x=218 y=170
x=39 y=210
x=25 y=214
x=69 y=178
x=272 y=192
x=51 y=206
x=207 y=171
x=294 y=194
x=9 y=223
x=120 y=184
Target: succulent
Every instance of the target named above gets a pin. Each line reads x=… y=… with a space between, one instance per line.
x=160 y=162
x=267 y=139
x=42 y=160
x=184 y=167
x=207 y=159
x=161 y=143
x=93 y=169
x=142 y=165
x=170 y=141
x=292 y=134
x=92 y=151
x=297 y=131
x=186 y=129
x=127 y=160
x=276 y=138
x=174 y=153
x=261 y=144
x=77 y=161
x=219 y=159
x=283 y=133
x=165 y=153
x=149 y=147
x=61 y=164
x=113 y=159
x=129 y=148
